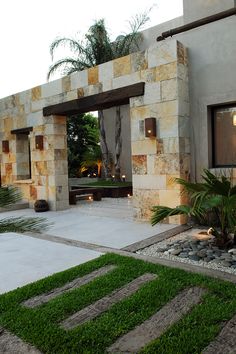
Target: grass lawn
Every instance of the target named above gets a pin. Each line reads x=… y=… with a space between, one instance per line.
x=104 y=183
x=39 y=326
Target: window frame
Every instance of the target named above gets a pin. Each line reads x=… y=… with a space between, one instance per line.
x=213 y=138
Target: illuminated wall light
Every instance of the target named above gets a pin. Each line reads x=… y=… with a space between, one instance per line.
x=234 y=120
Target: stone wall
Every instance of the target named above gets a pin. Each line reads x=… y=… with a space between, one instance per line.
x=155 y=161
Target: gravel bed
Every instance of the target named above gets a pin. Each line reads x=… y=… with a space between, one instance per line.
x=186 y=248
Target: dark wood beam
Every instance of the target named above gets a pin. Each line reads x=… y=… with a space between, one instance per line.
x=104 y=100
x=22 y=130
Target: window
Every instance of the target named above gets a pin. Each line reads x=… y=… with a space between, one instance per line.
x=23 y=154
x=224 y=136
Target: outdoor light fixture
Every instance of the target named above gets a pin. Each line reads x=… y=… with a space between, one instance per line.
x=5 y=146
x=150 y=127
x=123 y=178
x=39 y=142
x=234 y=120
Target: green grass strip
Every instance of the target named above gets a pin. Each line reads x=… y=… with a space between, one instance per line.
x=40 y=326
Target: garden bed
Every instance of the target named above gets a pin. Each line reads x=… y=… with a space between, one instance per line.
x=109 y=189
x=186 y=247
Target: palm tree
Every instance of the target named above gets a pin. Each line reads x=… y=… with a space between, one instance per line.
x=93 y=158
x=9 y=196
x=214 y=194
x=97 y=49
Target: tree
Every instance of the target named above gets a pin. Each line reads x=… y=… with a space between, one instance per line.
x=9 y=196
x=97 y=49
x=82 y=134
x=214 y=194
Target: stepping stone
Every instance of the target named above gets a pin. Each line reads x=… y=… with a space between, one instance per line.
x=102 y=305
x=225 y=342
x=74 y=284
x=11 y=344
x=153 y=328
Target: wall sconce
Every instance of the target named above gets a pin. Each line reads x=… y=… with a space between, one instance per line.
x=5 y=146
x=150 y=127
x=39 y=142
x=234 y=120
x=123 y=178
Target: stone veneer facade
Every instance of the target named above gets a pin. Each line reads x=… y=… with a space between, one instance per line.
x=155 y=161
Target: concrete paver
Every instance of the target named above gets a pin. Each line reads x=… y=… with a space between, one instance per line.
x=24 y=259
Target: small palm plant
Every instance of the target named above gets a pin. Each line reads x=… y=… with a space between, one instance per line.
x=214 y=194
x=9 y=196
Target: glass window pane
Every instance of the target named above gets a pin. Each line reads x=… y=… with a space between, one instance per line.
x=224 y=141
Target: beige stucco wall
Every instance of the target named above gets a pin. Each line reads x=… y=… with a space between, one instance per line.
x=155 y=161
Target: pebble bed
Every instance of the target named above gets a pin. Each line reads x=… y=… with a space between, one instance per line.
x=187 y=249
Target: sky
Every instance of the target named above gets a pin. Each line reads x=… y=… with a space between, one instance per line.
x=27 y=28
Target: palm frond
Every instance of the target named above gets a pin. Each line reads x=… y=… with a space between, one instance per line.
x=9 y=195
x=23 y=224
x=161 y=212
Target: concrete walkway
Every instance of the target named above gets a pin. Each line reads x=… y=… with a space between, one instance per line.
x=109 y=223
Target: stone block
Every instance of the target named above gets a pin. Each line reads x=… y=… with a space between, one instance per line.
x=167 y=164
x=105 y=72
x=184 y=127
x=51 y=88
x=71 y=95
x=41 y=192
x=171 y=145
x=8 y=124
x=149 y=182
x=34 y=119
x=126 y=80
x=56 y=141
x=183 y=90
x=170 y=182
x=37 y=105
x=58 y=180
x=138 y=61
x=139 y=164
x=162 y=53
x=169 y=198
x=122 y=66
x=93 y=75
x=137 y=101
x=40 y=168
x=139 y=113
x=144 y=147
x=62 y=193
x=143 y=201
x=168 y=127
x=79 y=79
x=33 y=192
x=107 y=85
x=150 y=164
x=182 y=72
x=182 y=54
x=36 y=93
x=152 y=93
x=149 y=75
x=66 y=85
x=57 y=167
x=92 y=89
x=168 y=108
x=60 y=154
x=167 y=71
x=169 y=90
x=24 y=96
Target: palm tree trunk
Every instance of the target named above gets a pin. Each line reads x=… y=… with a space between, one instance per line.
x=118 y=144
x=103 y=145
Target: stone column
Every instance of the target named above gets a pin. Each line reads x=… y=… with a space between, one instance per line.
x=49 y=165
x=156 y=162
